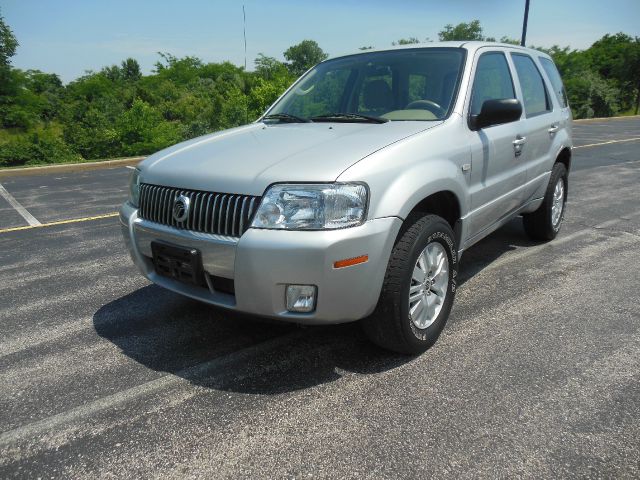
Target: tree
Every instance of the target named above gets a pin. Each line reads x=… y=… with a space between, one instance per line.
x=618 y=57
x=590 y=95
x=130 y=70
x=8 y=44
x=270 y=68
x=512 y=41
x=303 y=56
x=463 y=31
x=406 y=41
x=142 y=130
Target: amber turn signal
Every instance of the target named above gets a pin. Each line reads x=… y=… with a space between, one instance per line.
x=348 y=262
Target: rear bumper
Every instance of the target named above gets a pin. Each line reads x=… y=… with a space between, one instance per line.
x=262 y=263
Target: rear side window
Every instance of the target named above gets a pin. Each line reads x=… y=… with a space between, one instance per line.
x=556 y=81
x=534 y=93
x=492 y=80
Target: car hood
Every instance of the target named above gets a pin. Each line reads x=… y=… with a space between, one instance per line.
x=248 y=159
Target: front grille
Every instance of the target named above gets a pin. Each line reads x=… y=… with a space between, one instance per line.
x=217 y=213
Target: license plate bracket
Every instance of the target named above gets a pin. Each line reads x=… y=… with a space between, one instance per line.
x=178 y=263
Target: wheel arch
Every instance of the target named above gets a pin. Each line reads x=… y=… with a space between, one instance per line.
x=564 y=157
x=445 y=204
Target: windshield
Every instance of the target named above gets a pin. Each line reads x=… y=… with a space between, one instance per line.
x=411 y=84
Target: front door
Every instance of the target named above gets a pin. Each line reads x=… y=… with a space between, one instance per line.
x=498 y=168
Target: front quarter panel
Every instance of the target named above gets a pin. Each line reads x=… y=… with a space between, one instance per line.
x=402 y=175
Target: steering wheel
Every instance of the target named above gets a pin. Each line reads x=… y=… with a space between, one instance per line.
x=433 y=107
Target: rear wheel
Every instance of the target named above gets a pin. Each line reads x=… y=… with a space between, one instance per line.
x=418 y=289
x=544 y=223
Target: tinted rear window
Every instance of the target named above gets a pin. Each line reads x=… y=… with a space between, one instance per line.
x=556 y=81
x=534 y=92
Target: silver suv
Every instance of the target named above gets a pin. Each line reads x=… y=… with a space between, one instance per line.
x=357 y=192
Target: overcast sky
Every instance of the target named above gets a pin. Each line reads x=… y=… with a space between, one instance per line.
x=68 y=37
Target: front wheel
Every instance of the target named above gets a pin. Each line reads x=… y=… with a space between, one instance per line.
x=419 y=287
x=544 y=223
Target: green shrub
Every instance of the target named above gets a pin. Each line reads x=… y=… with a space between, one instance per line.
x=35 y=148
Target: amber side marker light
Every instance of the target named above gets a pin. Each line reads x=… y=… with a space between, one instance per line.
x=348 y=262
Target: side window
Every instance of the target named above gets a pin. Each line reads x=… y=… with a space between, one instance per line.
x=534 y=93
x=492 y=80
x=556 y=81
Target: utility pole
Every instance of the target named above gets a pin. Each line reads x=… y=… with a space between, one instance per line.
x=524 y=24
x=244 y=33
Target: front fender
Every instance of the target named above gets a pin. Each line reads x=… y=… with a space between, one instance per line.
x=412 y=186
x=403 y=174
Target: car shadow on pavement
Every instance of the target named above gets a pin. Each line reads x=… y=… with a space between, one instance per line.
x=218 y=349
x=223 y=350
x=507 y=238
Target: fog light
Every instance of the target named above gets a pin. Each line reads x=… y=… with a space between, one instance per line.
x=301 y=298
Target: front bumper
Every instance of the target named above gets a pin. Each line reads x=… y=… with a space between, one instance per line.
x=262 y=263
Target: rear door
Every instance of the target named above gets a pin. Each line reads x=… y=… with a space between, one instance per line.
x=497 y=171
x=543 y=121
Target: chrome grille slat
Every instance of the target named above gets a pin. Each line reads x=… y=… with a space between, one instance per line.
x=226 y=217
x=233 y=218
x=147 y=203
x=201 y=211
x=158 y=198
x=220 y=213
x=193 y=210
x=213 y=211
x=170 y=199
x=163 y=204
x=242 y=210
x=154 y=203
x=159 y=209
x=143 y=192
x=210 y=212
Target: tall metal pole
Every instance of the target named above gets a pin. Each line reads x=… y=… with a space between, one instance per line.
x=244 y=32
x=524 y=24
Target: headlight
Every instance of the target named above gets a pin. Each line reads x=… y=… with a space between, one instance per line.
x=134 y=187
x=312 y=206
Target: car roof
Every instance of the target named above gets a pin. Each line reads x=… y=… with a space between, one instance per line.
x=470 y=46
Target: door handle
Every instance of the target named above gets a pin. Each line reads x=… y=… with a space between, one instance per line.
x=518 y=143
x=553 y=129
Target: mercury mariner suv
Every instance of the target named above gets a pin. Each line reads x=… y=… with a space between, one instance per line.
x=354 y=196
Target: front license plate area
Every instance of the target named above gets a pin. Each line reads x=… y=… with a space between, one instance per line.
x=178 y=263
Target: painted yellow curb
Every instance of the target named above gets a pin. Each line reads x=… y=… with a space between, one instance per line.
x=60 y=222
x=69 y=167
x=602 y=119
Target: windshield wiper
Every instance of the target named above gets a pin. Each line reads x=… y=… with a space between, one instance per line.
x=286 y=117
x=347 y=117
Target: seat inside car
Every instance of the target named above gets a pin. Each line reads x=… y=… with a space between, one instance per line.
x=378 y=97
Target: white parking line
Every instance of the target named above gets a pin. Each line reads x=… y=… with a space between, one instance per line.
x=211 y=368
x=607 y=143
x=31 y=220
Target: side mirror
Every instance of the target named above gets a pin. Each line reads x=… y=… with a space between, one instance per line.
x=496 y=112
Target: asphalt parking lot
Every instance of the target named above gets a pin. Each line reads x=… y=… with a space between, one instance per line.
x=537 y=373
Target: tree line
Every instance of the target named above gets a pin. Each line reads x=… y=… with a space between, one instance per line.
x=119 y=112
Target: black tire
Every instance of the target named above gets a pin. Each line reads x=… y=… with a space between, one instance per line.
x=539 y=224
x=390 y=325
